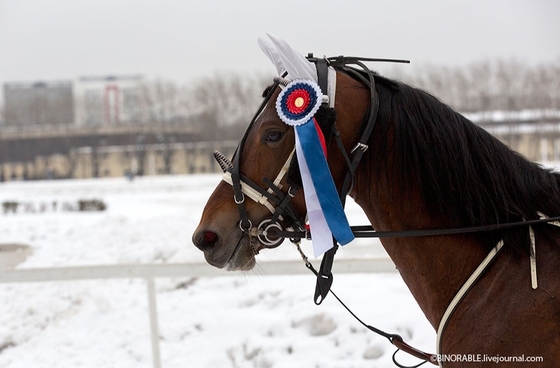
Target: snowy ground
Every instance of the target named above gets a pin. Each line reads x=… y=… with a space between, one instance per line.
x=248 y=320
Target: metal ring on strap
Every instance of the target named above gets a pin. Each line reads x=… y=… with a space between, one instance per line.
x=239 y=201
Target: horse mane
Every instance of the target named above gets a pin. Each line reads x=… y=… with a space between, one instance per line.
x=464 y=175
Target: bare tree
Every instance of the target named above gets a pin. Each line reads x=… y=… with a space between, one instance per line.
x=161 y=102
x=490 y=85
x=543 y=87
x=224 y=103
x=89 y=108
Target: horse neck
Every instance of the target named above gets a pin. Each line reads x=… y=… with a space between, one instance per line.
x=433 y=268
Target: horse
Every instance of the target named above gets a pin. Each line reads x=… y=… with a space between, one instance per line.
x=426 y=167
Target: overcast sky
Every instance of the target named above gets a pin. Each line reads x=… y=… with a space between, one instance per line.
x=182 y=40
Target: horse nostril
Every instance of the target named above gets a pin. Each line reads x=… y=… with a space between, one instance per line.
x=206 y=239
x=209 y=237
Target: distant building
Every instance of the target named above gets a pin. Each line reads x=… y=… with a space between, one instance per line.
x=107 y=100
x=38 y=103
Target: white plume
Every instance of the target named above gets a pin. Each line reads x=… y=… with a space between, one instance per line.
x=285 y=58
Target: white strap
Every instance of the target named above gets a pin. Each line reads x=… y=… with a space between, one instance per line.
x=543 y=216
x=463 y=291
x=283 y=171
x=253 y=193
x=250 y=192
x=476 y=274
x=533 y=251
x=533 y=258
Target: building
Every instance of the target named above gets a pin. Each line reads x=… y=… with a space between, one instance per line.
x=107 y=100
x=87 y=101
x=39 y=103
x=120 y=161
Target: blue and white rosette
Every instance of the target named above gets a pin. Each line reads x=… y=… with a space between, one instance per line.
x=297 y=104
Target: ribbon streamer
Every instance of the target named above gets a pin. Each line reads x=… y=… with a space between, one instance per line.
x=296 y=106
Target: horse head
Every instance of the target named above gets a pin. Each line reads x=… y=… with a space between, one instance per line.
x=237 y=223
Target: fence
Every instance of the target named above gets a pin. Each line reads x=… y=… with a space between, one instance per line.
x=150 y=272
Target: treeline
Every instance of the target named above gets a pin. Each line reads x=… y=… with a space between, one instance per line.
x=222 y=105
x=489 y=85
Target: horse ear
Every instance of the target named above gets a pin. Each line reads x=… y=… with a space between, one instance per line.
x=272 y=55
x=281 y=53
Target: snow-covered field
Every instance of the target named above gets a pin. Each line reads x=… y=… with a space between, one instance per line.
x=247 y=320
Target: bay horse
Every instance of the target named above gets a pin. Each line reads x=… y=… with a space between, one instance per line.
x=427 y=167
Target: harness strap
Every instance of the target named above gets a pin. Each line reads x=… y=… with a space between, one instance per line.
x=283 y=171
x=259 y=195
x=394 y=339
x=285 y=204
x=249 y=191
x=533 y=258
x=325 y=276
x=239 y=197
x=463 y=292
x=533 y=249
x=323 y=75
x=367 y=231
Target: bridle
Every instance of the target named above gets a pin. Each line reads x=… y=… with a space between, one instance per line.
x=285 y=222
x=284 y=216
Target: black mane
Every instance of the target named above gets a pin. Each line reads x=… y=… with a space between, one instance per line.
x=464 y=174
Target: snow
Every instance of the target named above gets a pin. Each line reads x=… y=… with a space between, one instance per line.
x=246 y=320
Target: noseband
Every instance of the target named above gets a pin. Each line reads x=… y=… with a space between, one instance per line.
x=273 y=199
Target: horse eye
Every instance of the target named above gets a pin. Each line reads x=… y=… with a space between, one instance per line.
x=273 y=136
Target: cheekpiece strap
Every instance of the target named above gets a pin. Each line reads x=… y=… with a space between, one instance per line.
x=323 y=75
x=324 y=276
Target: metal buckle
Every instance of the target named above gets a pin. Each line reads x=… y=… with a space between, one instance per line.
x=292 y=192
x=239 y=201
x=361 y=146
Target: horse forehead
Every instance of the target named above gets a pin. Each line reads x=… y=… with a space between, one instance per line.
x=345 y=88
x=269 y=113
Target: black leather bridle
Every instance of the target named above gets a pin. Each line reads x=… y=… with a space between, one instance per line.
x=284 y=216
x=285 y=222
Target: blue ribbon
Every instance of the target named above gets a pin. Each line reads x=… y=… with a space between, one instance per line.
x=325 y=188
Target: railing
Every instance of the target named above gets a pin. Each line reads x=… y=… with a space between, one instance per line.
x=150 y=272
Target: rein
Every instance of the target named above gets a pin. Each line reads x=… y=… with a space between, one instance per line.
x=367 y=231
